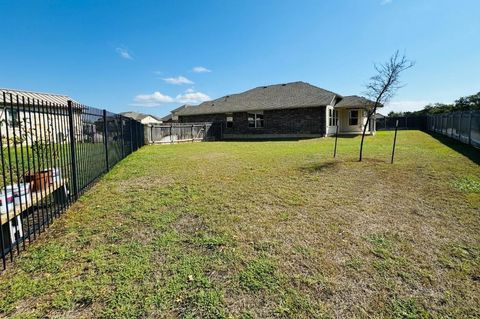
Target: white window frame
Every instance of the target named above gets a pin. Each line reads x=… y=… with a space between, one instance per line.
x=350 y=117
x=229 y=119
x=256 y=119
x=332 y=117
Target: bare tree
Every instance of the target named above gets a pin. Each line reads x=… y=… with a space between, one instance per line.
x=384 y=85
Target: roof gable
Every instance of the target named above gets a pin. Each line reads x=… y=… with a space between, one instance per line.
x=355 y=101
x=139 y=116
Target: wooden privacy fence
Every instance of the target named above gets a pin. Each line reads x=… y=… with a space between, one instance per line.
x=462 y=126
x=167 y=133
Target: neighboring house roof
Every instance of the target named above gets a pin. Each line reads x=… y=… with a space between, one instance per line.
x=37 y=96
x=354 y=101
x=138 y=116
x=379 y=116
x=278 y=96
x=179 y=108
x=167 y=118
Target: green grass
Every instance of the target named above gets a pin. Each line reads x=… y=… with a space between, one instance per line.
x=264 y=230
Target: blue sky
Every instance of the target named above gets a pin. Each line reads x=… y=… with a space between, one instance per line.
x=152 y=56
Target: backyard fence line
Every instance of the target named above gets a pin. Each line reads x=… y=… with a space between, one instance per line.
x=463 y=126
x=404 y=123
x=168 y=133
x=50 y=154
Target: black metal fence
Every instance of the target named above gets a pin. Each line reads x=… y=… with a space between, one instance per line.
x=404 y=123
x=462 y=126
x=166 y=133
x=51 y=153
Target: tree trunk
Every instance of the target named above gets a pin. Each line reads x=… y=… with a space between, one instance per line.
x=369 y=115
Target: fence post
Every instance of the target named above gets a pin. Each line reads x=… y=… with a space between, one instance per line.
x=73 y=150
x=105 y=138
x=193 y=138
x=151 y=135
x=123 y=137
x=470 y=128
x=394 y=141
x=171 y=132
x=131 y=134
x=205 y=133
x=336 y=137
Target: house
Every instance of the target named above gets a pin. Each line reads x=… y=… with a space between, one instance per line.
x=34 y=112
x=142 y=118
x=174 y=116
x=290 y=110
x=167 y=118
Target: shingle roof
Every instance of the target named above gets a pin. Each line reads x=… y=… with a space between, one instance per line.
x=167 y=117
x=278 y=96
x=138 y=116
x=354 y=101
x=45 y=97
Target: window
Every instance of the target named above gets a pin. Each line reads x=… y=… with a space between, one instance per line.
x=255 y=120
x=332 y=117
x=229 y=120
x=353 y=119
x=13 y=118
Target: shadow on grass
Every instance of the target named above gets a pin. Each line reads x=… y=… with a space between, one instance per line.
x=466 y=150
x=268 y=139
x=320 y=167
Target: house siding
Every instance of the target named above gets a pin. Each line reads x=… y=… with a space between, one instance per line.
x=298 y=121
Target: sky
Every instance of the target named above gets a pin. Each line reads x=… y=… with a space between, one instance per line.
x=153 y=56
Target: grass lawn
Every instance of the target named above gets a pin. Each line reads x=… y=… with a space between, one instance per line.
x=264 y=229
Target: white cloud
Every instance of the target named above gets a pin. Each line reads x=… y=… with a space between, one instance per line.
x=403 y=106
x=124 y=53
x=384 y=2
x=201 y=69
x=154 y=99
x=179 y=80
x=190 y=96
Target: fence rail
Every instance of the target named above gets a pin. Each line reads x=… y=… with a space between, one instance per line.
x=50 y=154
x=168 y=133
x=404 y=122
x=462 y=126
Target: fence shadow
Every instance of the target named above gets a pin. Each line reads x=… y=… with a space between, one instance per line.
x=465 y=149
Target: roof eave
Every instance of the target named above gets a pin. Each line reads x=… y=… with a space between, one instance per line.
x=252 y=110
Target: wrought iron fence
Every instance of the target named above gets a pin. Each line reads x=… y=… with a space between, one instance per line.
x=404 y=122
x=181 y=132
x=50 y=153
x=462 y=126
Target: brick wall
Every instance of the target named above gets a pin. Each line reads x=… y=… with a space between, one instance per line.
x=287 y=121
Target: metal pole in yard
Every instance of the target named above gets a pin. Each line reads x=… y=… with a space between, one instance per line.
x=193 y=138
x=336 y=138
x=73 y=150
x=105 y=138
x=394 y=141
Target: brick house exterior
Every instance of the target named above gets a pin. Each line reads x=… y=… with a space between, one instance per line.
x=291 y=110
x=300 y=122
